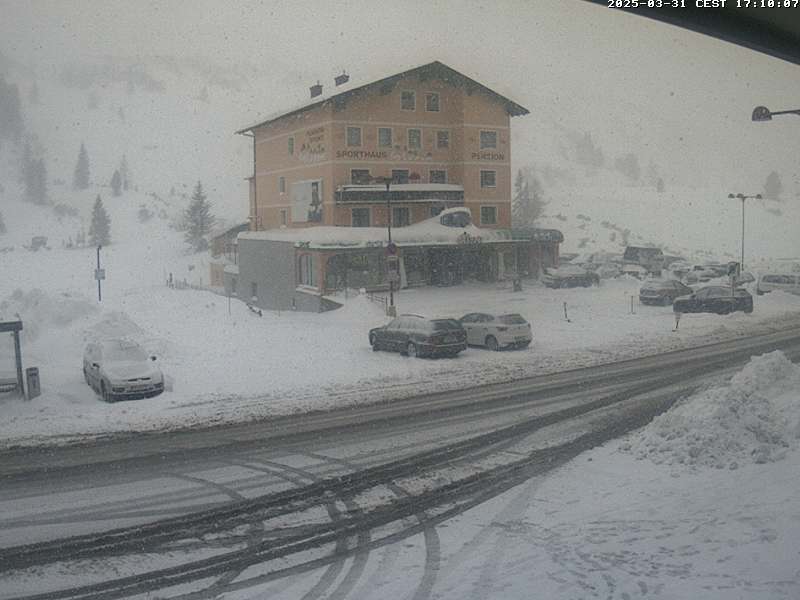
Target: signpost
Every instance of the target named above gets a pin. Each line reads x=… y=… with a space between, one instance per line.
x=99 y=275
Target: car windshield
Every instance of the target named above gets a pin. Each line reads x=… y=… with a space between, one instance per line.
x=512 y=319
x=444 y=324
x=289 y=203
x=123 y=353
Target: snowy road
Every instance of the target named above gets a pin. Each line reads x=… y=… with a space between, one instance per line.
x=49 y=497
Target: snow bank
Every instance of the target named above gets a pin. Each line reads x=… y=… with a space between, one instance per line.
x=754 y=418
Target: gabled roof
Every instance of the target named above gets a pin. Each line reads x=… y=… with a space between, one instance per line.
x=433 y=70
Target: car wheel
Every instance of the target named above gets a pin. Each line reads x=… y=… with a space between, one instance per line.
x=105 y=393
x=491 y=343
x=749 y=309
x=411 y=350
x=86 y=378
x=373 y=341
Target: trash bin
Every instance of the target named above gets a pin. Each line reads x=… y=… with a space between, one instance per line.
x=32 y=381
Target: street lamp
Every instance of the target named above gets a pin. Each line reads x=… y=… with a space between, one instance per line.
x=390 y=247
x=742 y=197
x=762 y=113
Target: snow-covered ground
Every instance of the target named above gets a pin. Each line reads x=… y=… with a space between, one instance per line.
x=713 y=521
x=230 y=365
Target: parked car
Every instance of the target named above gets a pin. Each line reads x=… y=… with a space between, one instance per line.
x=716 y=299
x=700 y=274
x=565 y=277
x=787 y=282
x=497 y=331
x=417 y=336
x=121 y=370
x=662 y=291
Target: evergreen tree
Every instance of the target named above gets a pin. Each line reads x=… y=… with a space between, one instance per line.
x=628 y=165
x=773 y=188
x=116 y=183
x=528 y=202
x=100 y=229
x=2 y=224
x=198 y=219
x=80 y=179
x=125 y=173
x=587 y=153
x=660 y=186
x=35 y=173
x=11 y=121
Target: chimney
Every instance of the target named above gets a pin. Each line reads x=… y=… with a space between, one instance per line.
x=343 y=78
x=316 y=90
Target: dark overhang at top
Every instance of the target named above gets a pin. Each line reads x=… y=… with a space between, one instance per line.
x=433 y=70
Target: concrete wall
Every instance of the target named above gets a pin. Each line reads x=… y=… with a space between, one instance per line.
x=271 y=266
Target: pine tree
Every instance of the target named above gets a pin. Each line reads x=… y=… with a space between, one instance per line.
x=11 y=122
x=80 y=179
x=2 y=224
x=198 y=219
x=528 y=203
x=100 y=229
x=125 y=173
x=116 y=183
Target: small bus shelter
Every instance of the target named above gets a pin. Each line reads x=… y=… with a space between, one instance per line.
x=9 y=384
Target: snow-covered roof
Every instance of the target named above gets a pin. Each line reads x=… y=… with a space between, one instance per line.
x=429 y=232
x=435 y=68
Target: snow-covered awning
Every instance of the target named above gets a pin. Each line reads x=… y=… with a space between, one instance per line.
x=401 y=192
x=430 y=232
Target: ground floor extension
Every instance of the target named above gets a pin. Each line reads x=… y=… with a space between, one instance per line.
x=300 y=269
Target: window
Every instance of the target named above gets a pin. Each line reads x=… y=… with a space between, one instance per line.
x=488 y=179
x=401 y=216
x=360 y=217
x=282 y=185
x=307 y=274
x=415 y=138
x=291 y=145
x=488 y=139
x=435 y=210
x=432 y=102
x=354 y=136
x=408 y=100
x=360 y=176
x=488 y=215
x=384 y=137
x=253 y=290
x=283 y=216
x=437 y=176
x=399 y=175
x=442 y=139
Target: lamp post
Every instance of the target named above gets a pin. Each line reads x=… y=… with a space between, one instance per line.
x=762 y=113
x=391 y=251
x=742 y=197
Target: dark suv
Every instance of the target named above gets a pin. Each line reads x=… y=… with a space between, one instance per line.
x=417 y=336
x=715 y=299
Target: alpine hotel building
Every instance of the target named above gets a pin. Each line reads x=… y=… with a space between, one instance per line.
x=319 y=205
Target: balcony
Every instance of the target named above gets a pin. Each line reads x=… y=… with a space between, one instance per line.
x=448 y=193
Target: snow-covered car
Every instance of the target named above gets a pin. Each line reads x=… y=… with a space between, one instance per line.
x=787 y=282
x=700 y=274
x=497 y=331
x=715 y=299
x=121 y=370
x=565 y=277
x=414 y=335
x=662 y=291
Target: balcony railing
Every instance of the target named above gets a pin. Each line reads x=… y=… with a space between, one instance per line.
x=401 y=192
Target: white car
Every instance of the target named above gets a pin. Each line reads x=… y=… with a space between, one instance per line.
x=497 y=331
x=121 y=370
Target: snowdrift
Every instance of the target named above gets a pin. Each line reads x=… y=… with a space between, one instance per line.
x=755 y=418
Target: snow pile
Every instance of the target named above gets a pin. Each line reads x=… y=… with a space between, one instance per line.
x=40 y=310
x=754 y=418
